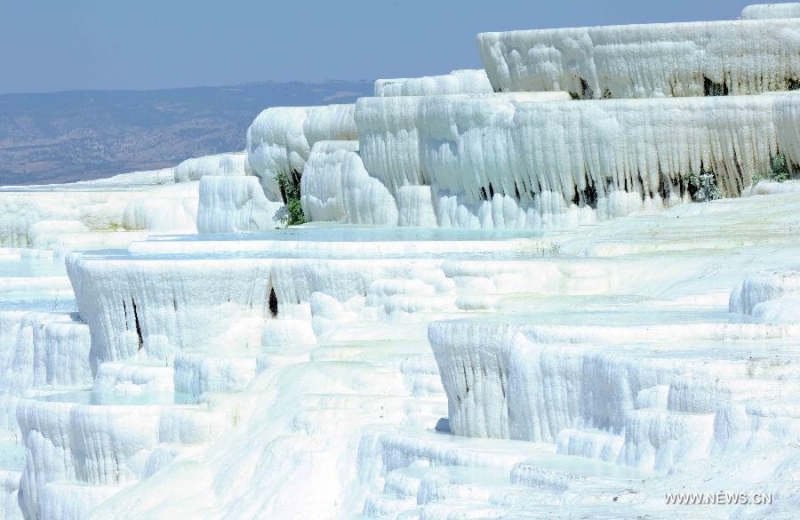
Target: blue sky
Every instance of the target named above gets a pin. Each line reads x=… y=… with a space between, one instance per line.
x=52 y=45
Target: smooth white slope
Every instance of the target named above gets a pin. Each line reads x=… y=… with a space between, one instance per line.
x=143 y=178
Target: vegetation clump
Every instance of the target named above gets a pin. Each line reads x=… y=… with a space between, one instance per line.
x=703 y=187
x=290 y=193
x=551 y=249
x=778 y=170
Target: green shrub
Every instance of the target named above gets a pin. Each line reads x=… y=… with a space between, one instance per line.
x=290 y=192
x=778 y=170
x=702 y=187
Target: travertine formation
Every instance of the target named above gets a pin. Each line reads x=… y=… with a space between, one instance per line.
x=505 y=304
x=640 y=61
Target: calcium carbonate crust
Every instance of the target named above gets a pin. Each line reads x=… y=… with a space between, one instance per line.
x=279 y=140
x=336 y=187
x=769 y=11
x=337 y=371
x=511 y=161
x=235 y=205
x=226 y=164
x=639 y=61
x=457 y=82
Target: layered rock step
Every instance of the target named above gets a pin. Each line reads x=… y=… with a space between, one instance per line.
x=634 y=61
x=511 y=161
x=101 y=213
x=457 y=82
x=641 y=382
x=316 y=280
x=767 y=11
x=101 y=440
x=426 y=474
x=530 y=382
x=298 y=328
x=347 y=340
x=573 y=373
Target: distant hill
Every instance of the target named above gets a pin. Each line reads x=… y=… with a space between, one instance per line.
x=70 y=136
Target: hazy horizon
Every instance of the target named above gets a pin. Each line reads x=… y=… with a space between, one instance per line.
x=81 y=135
x=150 y=45
x=323 y=82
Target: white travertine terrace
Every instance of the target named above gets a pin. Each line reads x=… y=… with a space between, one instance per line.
x=279 y=140
x=786 y=113
x=336 y=187
x=505 y=161
x=234 y=205
x=226 y=164
x=100 y=212
x=638 y=61
x=602 y=360
x=171 y=209
x=457 y=82
x=768 y=11
x=505 y=305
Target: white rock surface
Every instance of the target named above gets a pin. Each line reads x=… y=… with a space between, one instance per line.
x=279 y=140
x=99 y=213
x=769 y=11
x=337 y=188
x=636 y=61
x=457 y=82
x=221 y=165
x=234 y=205
x=170 y=209
x=399 y=369
x=620 y=375
x=560 y=163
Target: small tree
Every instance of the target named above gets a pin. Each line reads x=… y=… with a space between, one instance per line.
x=780 y=168
x=290 y=192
